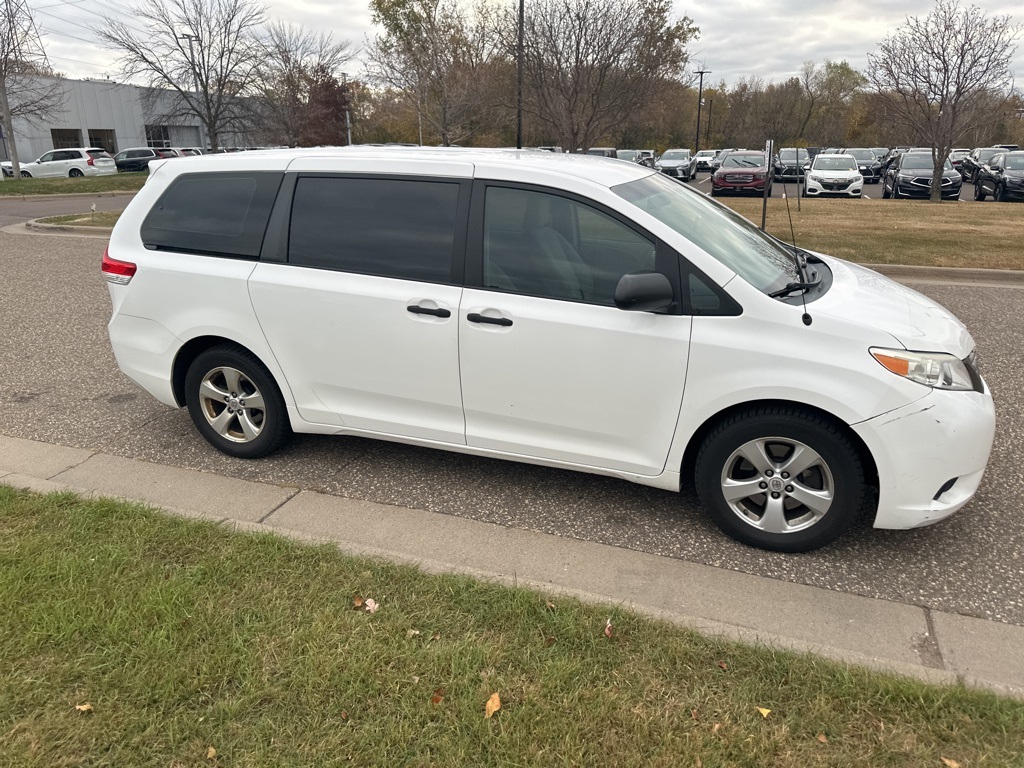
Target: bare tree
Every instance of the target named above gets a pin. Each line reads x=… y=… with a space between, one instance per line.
x=434 y=53
x=204 y=54
x=296 y=77
x=591 y=64
x=29 y=88
x=941 y=73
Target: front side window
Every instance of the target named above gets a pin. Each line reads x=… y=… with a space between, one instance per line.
x=387 y=227
x=550 y=246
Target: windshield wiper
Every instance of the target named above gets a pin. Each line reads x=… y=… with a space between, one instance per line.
x=794 y=287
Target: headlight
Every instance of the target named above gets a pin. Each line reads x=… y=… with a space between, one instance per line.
x=933 y=369
x=813 y=177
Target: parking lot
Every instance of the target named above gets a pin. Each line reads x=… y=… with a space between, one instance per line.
x=59 y=383
x=871 y=191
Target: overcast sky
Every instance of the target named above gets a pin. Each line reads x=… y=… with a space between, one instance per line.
x=765 y=38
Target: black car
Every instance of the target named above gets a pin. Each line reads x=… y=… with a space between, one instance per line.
x=868 y=163
x=890 y=157
x=1003 y=178
x=971 y=164
x=789 y=163
x=911 y=176
x=137 y=159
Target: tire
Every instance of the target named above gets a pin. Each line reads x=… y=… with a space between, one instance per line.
x=885 y=192
x=219 y=381
x=831 y=478
x=979 y=193
x=75 y=173
x=26 y=175
x=999 y=195
x=896 y=191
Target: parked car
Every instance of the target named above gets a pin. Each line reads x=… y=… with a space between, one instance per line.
x=972 y=163
x=648 y=157
x=745 y=172
x=73 y=162
x=1008 y=147
x=629 y=155
x=705 y=159
x=956 y=157
x=188 y=151
x=138 y=158
x=880 y=152
x=602 y=151
x=678 y=163
x=867 y=163
x=722 y=154
x=888 y=159
x=332 y=291
x=911 y=176
x=833 y=175
x=1002 y=178
x=789 y=163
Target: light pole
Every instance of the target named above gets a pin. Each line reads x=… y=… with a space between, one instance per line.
x=707 y=128
x=519 y=78
x=700 y=97
x=348 y=98
x=191 y=57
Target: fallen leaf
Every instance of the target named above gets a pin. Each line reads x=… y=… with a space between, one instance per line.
x=699 y=763
x=436 y=636
x=693 y=714
x=949 y=763
x=357 y=602
x=823 y=738
x=415 y=679
x=764 y=712
x=493 y=705
x=723 y=665
x=87 y=707
x=715 y=727
x=211 y=754
x=549 y=641
x=344 y=715
x=608 y=628
x=371 y=605
x=550 y=605
x=438 y=696
x=412 y=633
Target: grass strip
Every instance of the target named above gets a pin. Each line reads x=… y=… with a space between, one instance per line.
x=914 y=232
x=105 y=219
x=117 y=182
x=194 y=645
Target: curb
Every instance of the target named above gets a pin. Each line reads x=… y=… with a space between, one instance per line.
x=38 y=225
x=71 y=195
x=900 y=638
x=966 y=275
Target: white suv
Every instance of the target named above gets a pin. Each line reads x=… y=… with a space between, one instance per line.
x=552 y=309
x=73 y=162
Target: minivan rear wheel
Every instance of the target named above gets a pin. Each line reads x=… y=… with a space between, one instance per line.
x=780 y=478
x=235 y=403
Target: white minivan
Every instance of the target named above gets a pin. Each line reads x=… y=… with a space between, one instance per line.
x=554 y=309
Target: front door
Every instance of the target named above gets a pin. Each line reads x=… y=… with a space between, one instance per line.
x=550 y=367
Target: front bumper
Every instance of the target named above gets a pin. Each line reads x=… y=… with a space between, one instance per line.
x=842 y=188
x=923 y=189
x=678 y=171
x=724 y=186
x=919 y=448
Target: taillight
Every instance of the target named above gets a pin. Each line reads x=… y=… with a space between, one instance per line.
x=119 y=272
x=89 y=161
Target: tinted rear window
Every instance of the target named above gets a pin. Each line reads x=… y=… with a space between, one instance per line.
x=387 y=227
x=223 y=214
x=94 y=153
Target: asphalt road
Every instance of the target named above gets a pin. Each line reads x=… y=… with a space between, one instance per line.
x=17 y=211
x=59 y=383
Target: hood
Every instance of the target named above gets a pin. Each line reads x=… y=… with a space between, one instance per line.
x=672 y=163
x=864 y=296
x=834 y=174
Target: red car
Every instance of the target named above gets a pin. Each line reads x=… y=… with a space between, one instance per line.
x=741 y=173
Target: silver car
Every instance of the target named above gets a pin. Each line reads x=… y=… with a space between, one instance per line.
x=679 y=163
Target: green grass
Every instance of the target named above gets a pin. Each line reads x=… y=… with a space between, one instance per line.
x=98 y=219
x=119 y=182
x=184 y=636
x=917 y=232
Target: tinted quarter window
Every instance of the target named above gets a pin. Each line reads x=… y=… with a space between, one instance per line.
x=223 y=214
x=387 y=227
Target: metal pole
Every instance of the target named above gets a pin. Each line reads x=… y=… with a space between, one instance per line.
x=700 y=97
x=707 y=128
x=348 y=117
x=519 y=77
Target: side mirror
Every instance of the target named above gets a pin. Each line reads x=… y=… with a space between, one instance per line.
x=643 y=292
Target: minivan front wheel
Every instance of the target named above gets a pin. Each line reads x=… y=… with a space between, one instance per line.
x=780 y=478
x=235 y=403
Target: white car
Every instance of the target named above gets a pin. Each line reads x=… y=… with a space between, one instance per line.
x=73 y=162
x=552 y=309
x=833 y=175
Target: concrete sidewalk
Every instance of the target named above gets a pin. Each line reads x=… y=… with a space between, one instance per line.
x=907 y=639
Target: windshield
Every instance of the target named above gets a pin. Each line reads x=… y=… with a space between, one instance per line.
x=917 y=161
x=676 y=154
x=790 y=155
x=627 y=154
x=743 y=161
x=722 y=233
x=863 y=155
x=1014 y=163
x=834 y=163
x=987 y=154
x=706 y=153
